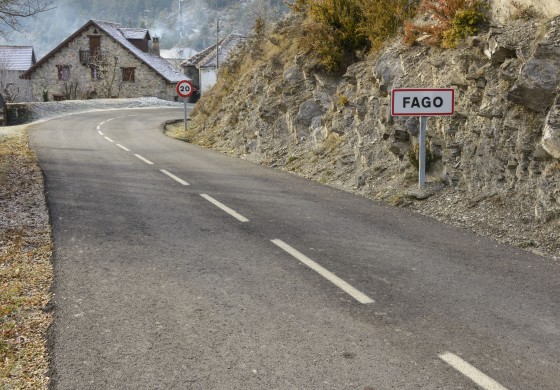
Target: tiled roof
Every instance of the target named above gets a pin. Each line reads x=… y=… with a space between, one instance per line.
x=16 y=57
x=115 y=30
x=160 y=65
x=207 y=57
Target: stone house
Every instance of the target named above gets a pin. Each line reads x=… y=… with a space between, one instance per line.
x=104 y=60
x=14 y=60
x=202 y=68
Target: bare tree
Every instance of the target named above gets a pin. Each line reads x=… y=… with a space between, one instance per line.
x=11 y=86
x=71 y=90
x=13 y=11
x=105 y=71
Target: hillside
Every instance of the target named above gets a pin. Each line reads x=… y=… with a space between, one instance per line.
x=496 y=166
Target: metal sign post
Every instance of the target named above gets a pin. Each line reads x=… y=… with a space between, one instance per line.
x=422 y=103
x=186 y=114
x=422 y=152
x=185 y=89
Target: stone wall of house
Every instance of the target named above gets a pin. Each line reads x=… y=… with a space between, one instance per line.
x=504 y=9
x=44 y=81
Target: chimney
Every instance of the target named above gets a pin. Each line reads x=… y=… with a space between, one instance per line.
x=155 y=45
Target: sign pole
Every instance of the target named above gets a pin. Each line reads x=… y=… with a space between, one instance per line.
x=186 y=115
x=422 y=152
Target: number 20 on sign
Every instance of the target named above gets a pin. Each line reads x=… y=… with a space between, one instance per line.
x=423 y=103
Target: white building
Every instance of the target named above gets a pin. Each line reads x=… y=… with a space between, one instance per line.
x=202 y=67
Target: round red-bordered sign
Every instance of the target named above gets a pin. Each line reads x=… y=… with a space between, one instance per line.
x=184 y=88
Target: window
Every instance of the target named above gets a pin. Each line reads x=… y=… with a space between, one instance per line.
x=94 y=44
x=128 y=74
x=63 y=72
x=95 y=73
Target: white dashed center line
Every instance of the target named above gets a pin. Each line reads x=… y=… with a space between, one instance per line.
x=109 y=139
x=177 y=179
x=123 y=148
x=231 y=212
x=471 y=372
x=100 y=132
x=144 y=159
x=343 y=285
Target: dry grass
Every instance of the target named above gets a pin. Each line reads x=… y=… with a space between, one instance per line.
x=177 y=130
x=25 y=268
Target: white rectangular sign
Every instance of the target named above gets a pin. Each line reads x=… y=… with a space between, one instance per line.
x=422 y=102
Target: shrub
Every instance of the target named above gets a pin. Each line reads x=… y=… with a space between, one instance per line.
x=339 y=30
x=453 y=20
x=334 y=31
x=523 y=12
x=383 y=19
x=260 y=27
x=342 y=100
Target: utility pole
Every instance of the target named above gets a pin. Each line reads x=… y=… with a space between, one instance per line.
x=217 y=43
x=181 y=28
x=217 y=38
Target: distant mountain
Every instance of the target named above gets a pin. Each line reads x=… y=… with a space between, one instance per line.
x=195 y=26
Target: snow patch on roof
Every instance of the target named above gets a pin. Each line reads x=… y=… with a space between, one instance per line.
x=18 y=58
x=207 y=57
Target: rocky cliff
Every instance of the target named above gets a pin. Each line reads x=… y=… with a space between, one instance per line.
x=495 y=168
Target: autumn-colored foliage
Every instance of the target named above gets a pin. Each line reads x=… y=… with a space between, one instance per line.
x=451 y=21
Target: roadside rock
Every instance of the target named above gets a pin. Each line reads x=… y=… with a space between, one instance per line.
x=537 y=85
x=551 y=132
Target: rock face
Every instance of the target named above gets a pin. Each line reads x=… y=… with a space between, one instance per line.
x=500 y=149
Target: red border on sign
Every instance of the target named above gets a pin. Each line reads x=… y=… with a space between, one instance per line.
x=421 y=90
x=184 y=82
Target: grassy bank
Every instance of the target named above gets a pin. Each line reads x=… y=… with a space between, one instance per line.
x=25 y=266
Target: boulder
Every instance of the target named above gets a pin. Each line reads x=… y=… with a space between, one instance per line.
x=387 y=69
x=551 y=131
x=309 y=110
x=537 y=85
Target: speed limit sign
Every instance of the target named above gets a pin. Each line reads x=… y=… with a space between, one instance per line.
x=185 y=88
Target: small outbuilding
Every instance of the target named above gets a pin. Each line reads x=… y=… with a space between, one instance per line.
x=14 y=61
x=202 y=68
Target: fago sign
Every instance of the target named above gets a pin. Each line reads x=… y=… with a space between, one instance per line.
x=422 y=102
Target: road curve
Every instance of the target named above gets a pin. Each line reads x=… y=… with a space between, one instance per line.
x=181 y=268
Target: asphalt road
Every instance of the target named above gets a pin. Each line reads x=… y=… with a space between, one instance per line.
x=249 y=278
